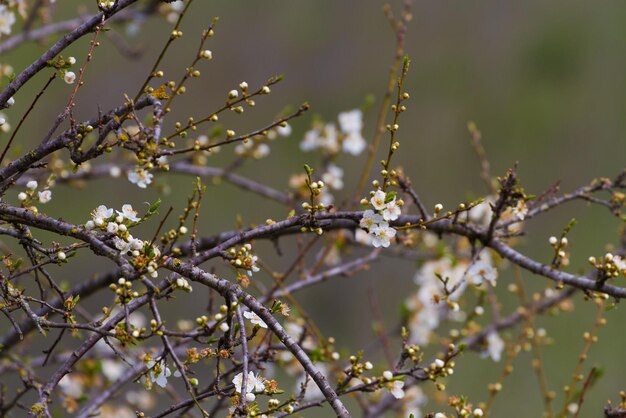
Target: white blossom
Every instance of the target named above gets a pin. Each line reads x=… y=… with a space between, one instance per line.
x=370 y=219
x=253 y=383
x=382 y=235
x=71 y=386
x=391 y=211
x=112 y=227
x=333 y=177
x=32 y=185
x=255 y=319
x=321 y=137
x=69 y=77
x=140 y=177
x=353 y=144
x=482 y=270
x=121 y=244
x=395 y=388
x=284 y=130
x=129 y=213
x=378 y=200
x=44 y=196
x=7 y=19
x=115 y=171
x=520 y=210
x=100 y=214
x=495 y=345
x=362 y=237
x=351 y=121
x=159 y=377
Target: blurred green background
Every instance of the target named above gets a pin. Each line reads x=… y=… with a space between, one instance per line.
x=544 y=81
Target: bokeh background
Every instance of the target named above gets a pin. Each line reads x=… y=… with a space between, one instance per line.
x=544 y=81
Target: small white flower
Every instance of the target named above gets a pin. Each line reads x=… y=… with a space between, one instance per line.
x=253 y=383
x=135 y=244
x=378 y=200
x=206 y=54
x=90 y=224
x=115 y=171
x=71 y=60
x=382 y=235
x=224 y=327
x=112 y=369
x=482 y=270
x=255 y=319
x=61 y=255
x=121 y=245
x=520 y=210
x=10 y=102
x=351 y=121
x=261 y=151
x=69 y=77
x=112 y=227
x=388 y=375
x=439 y=363
x=284 y=130
x=440 y=415
x=370 y=219
x=102 y=213
x=233 y=94
x=495 y=345
x=396 y=389
x=362 y=237
x=140 y=177
x=32 y=185
x=71 y=386
x=45 y=196
x=333 y=177
x=129 y=213
x=7 y=19
x=478 y=412
x=312 y=140
x=353 y=144
x=160 y=376
x=162 y=161
x=392 y=211
x=22 y=196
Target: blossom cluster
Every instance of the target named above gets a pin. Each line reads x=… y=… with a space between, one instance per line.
x=446 y=279
x=376 y=221
x=327 y=138
x=116 y=223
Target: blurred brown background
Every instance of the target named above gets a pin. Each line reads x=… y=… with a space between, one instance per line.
x=544 y=81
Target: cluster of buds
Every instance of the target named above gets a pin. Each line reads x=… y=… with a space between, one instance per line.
x=243 y=259
x=32 y=192
x=561 y=256
x=183 y=284
x=312 y=206
x=221 y=319
x=610 y=266
x=414 y=353
x=463 y=408
x=124 y=291
x=358 y=368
